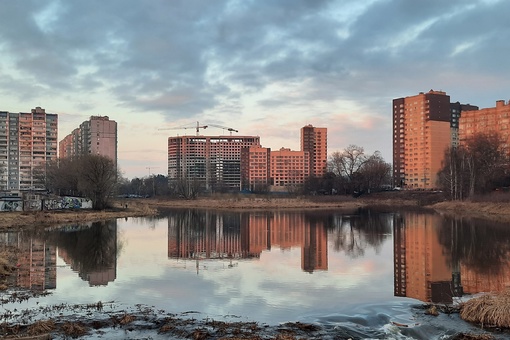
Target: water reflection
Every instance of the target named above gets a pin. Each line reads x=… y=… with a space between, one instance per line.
x=435 y=259
x=197 y=235
x=90 y=250
x=438 y=258
x=36 y=265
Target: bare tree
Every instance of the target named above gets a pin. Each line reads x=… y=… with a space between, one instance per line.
x=187 y=188
x=356 y=171
x=97 y=179
x=348 y=162
x=375 y=172
x=475 y=167
x=453 y=177
x=62 y=176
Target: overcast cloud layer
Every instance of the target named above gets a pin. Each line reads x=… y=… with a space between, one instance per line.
x=264 y=67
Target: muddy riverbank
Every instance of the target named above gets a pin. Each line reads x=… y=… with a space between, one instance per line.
x=499 y=210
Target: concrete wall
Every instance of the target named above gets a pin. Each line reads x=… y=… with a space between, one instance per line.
x=37 y=204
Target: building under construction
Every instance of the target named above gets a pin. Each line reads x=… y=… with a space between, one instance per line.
x=213 y=162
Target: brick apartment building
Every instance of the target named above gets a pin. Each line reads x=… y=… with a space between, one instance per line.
x=289 y=169
x=488 y=120
x=314 y=140
x=424 y=126
x=27 y=141
x=255 y=168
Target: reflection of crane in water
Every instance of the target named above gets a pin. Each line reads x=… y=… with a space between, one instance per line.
x=212 y=261
x=209 y=264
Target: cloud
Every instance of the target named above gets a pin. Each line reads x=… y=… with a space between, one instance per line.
x=232 y=61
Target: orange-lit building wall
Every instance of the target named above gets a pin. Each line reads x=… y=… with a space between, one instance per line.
x=489 y=120
x=255 y=161
x=289 y=168
x=314 y=140
x=422 y=132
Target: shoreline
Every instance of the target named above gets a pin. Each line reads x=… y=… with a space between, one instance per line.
x=123 y=208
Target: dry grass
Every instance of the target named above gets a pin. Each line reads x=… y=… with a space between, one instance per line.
x=41 y=327
x=74 y=329
x=489 y=310
x=467 y=336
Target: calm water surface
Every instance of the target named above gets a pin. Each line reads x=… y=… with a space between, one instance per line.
x=365 y=269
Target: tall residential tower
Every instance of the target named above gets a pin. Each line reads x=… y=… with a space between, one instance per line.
x=314 y=140
x=422 y=132
x=27 y=141
x=97 y=136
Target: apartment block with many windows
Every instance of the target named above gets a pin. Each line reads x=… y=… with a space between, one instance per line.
x=314 y=140
x=488 y=120
x=289 y=168
x=422 y=131
x=212 y=161
x=27 y=141
x=255 y=168
x=97 y=136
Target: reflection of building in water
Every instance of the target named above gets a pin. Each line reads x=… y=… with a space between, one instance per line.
x=91 y=251
x=421 y=268
x=496 y=280
x=194 y=235
x=436 y=258
x=315 y=247
x=94 y=278
x=36 y=262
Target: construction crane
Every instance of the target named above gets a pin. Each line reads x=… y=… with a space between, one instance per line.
x=225 y=128
x=198 y=127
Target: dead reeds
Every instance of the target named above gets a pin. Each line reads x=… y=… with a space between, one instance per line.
x=489 y=310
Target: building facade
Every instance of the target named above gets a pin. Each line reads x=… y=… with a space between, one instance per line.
x=213 y=162
x=422 y=131
x=255 y=168
x=97 y=136
x=488 y=120
x=289 y=168
x=27 y=142
x=314 y=140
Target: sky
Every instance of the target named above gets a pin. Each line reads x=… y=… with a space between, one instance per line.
x=262 y=67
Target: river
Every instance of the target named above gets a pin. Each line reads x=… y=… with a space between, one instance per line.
x=366 y=272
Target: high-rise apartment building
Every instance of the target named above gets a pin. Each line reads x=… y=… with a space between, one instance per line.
x=314 y=140
x=214 y=162
x=255 y=168
x=422 y=131
x=97 y=136
x=27 y=141
x=488 y=120
x=289 y=168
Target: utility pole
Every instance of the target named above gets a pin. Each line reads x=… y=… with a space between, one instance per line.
x=153 y=179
